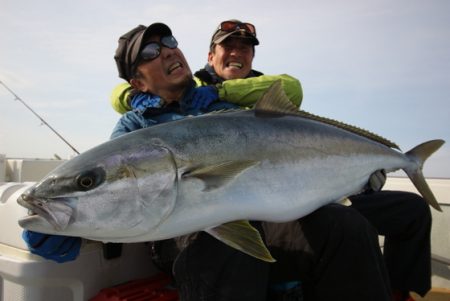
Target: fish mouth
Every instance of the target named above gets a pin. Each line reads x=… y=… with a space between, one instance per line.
x=56 y=211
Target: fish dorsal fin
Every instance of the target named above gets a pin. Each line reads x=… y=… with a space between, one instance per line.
x=275 y=103
x=243 y=237
x=217 y=175
x=351 y=128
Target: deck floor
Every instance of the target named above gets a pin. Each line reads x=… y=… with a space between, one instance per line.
x=436 y=294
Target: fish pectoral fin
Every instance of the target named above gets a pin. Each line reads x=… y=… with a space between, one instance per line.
x=243 y=237
x=215 y=176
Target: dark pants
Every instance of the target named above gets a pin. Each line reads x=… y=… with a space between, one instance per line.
x=333 y=251
x=405 y=220
x=209 y=270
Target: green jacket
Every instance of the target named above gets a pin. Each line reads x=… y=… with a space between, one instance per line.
x=243 y=92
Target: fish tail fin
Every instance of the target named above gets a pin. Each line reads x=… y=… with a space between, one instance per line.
x=420 y=154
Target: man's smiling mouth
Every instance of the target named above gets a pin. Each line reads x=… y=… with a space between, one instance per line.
x=174 y=66
x=235 y=65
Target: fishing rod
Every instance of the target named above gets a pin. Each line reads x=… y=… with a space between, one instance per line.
x=37 y=115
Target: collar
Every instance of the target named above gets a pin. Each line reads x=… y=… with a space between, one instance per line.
x=179 y=107
x=209 y=76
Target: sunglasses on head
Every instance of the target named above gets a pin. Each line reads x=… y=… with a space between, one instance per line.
x=231 y=26
x=153 y=49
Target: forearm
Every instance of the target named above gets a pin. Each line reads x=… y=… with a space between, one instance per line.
x=246 y=92
x=126 y=124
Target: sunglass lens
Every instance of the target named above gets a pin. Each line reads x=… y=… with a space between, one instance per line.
x=150 y=51
x=228 y=26
x=169 y=42
x=232 y=26
x=249 y=27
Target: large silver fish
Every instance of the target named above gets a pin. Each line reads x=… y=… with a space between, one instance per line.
x=206 y=172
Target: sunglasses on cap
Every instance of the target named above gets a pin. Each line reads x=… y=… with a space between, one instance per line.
x=230 y=26
x=153 y=49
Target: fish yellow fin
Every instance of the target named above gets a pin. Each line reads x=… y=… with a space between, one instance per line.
x=217 y=175
x=345 y=201
x=419 y=154
x=243 y=237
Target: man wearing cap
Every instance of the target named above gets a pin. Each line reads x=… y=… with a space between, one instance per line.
x=148 y=58
x=314 y=261
x=231 y=54
x=403 y=218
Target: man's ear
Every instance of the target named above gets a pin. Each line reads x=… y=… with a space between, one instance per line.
x=137 y=84
x=210 y=57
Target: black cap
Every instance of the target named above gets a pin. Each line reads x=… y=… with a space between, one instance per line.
x=130 y=45
x=220 y=35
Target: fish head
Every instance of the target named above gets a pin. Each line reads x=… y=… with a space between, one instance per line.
x=104 y=194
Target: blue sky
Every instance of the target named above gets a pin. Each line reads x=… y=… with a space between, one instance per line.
x=380 y=64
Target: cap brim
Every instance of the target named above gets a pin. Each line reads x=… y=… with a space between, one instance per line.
x=160 y=29
x=235 y=35
x=157 y=29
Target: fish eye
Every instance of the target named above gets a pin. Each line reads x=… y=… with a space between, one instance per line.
x=90 y=179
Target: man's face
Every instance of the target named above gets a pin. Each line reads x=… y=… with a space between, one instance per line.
x=164 y=75
x=232 y=58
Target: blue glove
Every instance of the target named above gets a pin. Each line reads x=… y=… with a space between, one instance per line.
x=53 y=247
x=203 y=96
x=141 y=101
